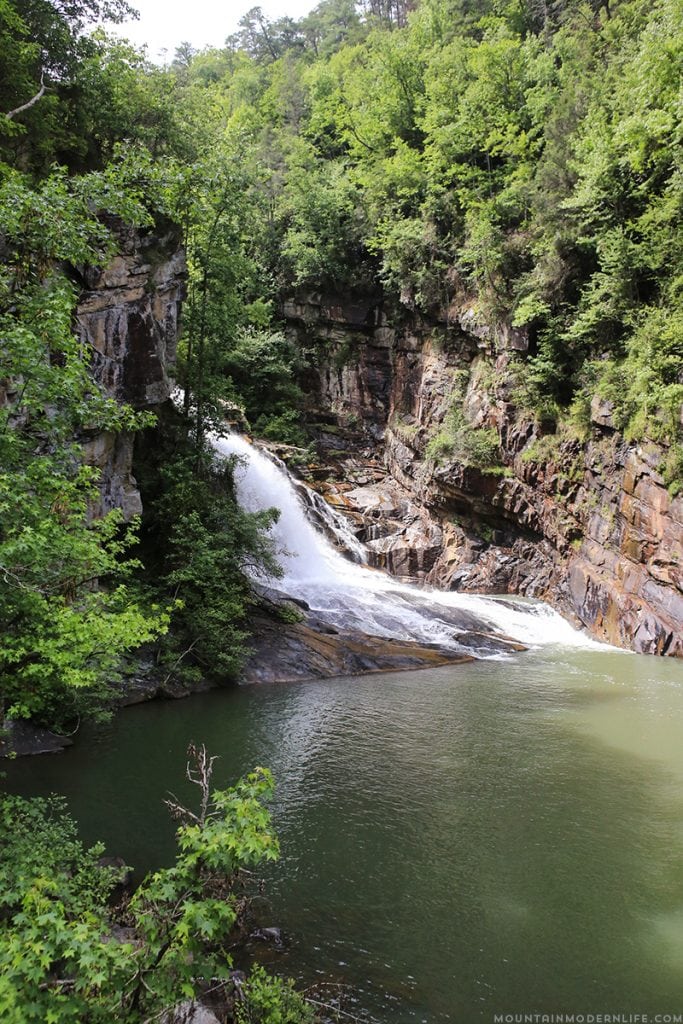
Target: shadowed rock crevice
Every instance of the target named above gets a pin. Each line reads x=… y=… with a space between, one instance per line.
x=128 y=318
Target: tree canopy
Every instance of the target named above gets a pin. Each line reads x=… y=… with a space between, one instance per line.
x=518 y=157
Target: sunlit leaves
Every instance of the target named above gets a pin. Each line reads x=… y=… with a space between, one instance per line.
x=62 y=956
x=67 y=609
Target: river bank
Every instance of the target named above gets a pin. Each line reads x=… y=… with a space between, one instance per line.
x=328 y=613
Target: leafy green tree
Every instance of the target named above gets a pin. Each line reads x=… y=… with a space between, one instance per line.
x=321 y=213
x=68 y=608
x=63 y=955
x=204 y=549
x=213 y=208
x=44 y=42
x=331 y=25
x=121 y=95
x=263 y=367
x=265 y=41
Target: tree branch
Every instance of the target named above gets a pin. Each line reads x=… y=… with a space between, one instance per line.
x=201 y=775
x=175 y=664
x=198 y=770
x=25 y=106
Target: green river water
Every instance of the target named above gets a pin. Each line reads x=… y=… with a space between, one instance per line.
x=483 y=839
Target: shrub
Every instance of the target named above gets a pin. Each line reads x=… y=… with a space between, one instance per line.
x=461 y=442
x=60 y=957
x=270 y=1000
x=672 y=470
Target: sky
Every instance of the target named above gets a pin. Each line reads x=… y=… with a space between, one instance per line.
x=165 y=23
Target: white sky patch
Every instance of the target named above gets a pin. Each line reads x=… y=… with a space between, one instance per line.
x=163 y=24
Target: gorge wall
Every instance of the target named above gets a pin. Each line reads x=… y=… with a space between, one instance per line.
x=585 y=524
x=127 y=317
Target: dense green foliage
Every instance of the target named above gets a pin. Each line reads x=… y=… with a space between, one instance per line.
x=74 y=596
x=201 y=546
x=67 y=602
x=67 y=953
x=518 y=157
x=515 y=159
x=523 y=159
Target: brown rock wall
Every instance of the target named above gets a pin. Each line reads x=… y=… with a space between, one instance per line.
x=127 y=317
x=627 y=576
x=591 y=528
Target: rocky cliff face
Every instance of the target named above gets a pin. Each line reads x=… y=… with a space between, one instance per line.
x=127 y=317
x=587 y=525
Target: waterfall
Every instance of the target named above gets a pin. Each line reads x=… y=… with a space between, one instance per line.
x=349 y=595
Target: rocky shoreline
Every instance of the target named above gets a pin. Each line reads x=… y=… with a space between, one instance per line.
x=282 y=652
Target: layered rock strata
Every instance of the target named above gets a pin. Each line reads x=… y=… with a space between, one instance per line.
x=587 y=525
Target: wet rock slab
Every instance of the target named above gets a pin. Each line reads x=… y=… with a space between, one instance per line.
x=21 y=739
x=287 y=652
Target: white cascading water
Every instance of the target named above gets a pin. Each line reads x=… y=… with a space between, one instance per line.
x=353 y=596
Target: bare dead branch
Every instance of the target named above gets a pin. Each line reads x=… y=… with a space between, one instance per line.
x=200 y=775
x=25 y=106
x=198 y=771
x=178 y=811
x=334 y=1009
x=175 y=664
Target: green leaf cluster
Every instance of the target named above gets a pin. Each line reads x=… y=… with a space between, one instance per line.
x=68 y=602
x=523 y=157
x=67 y=954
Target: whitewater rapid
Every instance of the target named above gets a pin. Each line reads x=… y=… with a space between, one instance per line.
x=353 y=596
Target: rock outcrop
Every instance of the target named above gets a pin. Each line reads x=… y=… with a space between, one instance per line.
x=285 y=652
x=127 y=317
x=293 y=652
x=19 y=738
x=626 y=579
x=587 y=525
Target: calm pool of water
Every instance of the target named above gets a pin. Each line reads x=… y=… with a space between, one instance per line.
x=500 y=837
